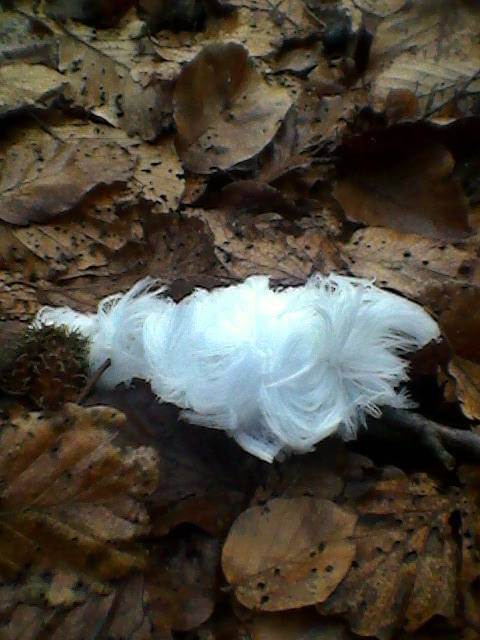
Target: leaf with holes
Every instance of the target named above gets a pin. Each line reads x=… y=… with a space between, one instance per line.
x=103 y=82
x=225 y=111
x=41 y=181
x=405 y=569
x=71 y=503
x=289 y=553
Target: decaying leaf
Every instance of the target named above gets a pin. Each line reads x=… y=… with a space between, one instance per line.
x=102 y=13
x=409 y=263
x=71 y=503
x=225 y=111
x=246 y=246
x=106 y=88
x=429 y=48
x=411 y=190
x=205 y=479
x=293 y=625
x=404 y=571
x=24 y=38
x=30 y=184
x=469 y=505
x=202 y=141
x=466 y=374
x=460 y=322
x=24 y=85
x=181 y=583
x=303 y=548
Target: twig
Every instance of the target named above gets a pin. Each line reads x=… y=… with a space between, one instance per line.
x=436 y=437
x=92 y=381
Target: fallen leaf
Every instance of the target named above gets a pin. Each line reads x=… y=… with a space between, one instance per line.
x=381 y=8
x=24 y=38
x=106 y=88
x=30 y=189
x=247 y=246
x=311 y=554
x=23 y=85
x=18 y=299
x=468 y=497
x=429 y=48
x=102 y=14
x=181 y=583
x=185 y=15
x=71 y=503
x=262 y=27
x=205 y=479
x=410 y=190
x=293 y=625
x=158 y=174
x=467 y=385
x=224 y=110
x=460 y=321
x=411 y=264
x=404 y=571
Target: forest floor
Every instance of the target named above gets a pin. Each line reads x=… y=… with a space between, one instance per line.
x=199 y=142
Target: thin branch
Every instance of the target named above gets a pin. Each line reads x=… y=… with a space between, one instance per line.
x=92 y=381
x=435 y=437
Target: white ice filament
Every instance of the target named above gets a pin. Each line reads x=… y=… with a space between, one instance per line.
x=279 y=370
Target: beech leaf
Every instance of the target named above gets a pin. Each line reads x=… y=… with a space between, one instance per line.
x=225 y=111
x=289 y=553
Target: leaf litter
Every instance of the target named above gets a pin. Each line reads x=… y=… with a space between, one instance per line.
x=200 y=142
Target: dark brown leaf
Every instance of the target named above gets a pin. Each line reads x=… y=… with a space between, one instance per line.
x=408 y=189
x=225 y=110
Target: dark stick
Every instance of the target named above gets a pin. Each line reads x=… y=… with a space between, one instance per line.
x=434 y=436
x=92 y=381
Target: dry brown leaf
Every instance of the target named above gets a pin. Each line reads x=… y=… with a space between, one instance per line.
x=102 y=13
x=408 y=189
x=460 y=320
x=177 y=591
x=205 y=479
x=404 y=571
x=295 y=625
x=181 y=582
x=25 y=38
x=467 y=385
x=158 y=174
x=312 y=124
x=262 y=27
x=24 y=85
x=71 y=502
x=224 y=110
x=469 y=505
x=289 y=553
x=124 y=614
x=431 y=49
x=106 y=88
x=44 y=178
x=18 y=299
x=408 y=263
x=247 y=246
x=381 y=8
